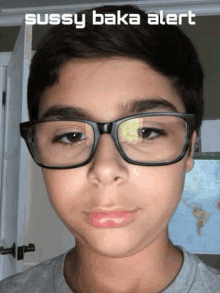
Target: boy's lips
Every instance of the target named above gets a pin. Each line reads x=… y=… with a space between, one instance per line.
x=111 y=218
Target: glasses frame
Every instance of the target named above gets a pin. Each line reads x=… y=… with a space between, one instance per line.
x=111 y=128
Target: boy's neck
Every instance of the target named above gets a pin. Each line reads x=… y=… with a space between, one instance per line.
x=150 y=270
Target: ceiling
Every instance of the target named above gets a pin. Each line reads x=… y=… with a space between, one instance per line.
x=6 y=4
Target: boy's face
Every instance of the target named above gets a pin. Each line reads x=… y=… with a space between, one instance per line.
x=101 y=88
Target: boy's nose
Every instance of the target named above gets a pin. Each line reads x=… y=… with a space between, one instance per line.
x=107 y=166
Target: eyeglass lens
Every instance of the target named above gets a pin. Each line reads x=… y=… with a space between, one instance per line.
x=62 y=143
x=153 y=139
x=146 y=139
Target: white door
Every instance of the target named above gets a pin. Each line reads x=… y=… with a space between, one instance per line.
x=15 y=167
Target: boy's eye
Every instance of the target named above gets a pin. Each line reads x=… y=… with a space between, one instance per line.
x=149 y=132
x=71 y=137
x=74 y=136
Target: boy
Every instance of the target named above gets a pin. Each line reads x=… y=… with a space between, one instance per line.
x=114 y=112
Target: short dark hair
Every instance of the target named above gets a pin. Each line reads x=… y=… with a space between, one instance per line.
x=164 y=47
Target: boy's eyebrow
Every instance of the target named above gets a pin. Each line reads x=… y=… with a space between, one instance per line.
x=138 y=106
x=132 y=107
x=61 y=111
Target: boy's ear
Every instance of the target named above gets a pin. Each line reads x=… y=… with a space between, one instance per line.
x=190 y=161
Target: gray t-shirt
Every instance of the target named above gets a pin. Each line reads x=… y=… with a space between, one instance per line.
x=48 y=277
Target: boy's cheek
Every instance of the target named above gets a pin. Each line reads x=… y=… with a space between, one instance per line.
x=67 y=188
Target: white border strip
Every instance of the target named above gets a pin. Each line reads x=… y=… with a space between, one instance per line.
x=14 y=16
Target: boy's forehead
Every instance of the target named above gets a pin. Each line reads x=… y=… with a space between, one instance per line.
x=119 y=86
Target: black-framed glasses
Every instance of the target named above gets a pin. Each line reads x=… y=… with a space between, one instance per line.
x=147 y=139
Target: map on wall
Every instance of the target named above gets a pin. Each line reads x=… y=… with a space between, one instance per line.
x=196 y=222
